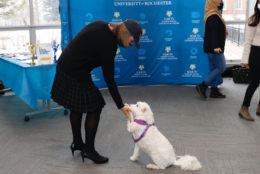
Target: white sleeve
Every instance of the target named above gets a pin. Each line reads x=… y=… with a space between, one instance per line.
x=249 y=36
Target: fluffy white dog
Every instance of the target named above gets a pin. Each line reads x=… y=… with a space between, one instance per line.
x=150 y=140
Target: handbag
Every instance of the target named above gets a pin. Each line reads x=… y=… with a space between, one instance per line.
x=241 y=75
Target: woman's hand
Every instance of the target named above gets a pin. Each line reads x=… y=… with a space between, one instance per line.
x=246 y=65
x=218 y=50
x=126 y=110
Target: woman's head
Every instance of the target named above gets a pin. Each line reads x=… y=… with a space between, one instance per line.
x=213 y=5
x=257 y=7
x=255 y=18
x=127 y=33
x=124 y=38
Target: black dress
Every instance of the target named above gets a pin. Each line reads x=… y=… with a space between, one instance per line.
x=94 y=46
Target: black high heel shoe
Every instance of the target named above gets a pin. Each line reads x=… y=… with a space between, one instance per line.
x=94 y=156
x=74 y=147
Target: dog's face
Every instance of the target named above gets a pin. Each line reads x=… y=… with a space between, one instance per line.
x=142 y=110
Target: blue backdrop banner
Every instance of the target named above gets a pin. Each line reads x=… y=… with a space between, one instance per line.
x=171 y=46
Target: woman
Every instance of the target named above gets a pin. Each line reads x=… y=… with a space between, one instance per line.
x=214 y=42
x=94 y=46
x=251 y=60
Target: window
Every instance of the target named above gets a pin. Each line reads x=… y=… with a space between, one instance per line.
x=14 y=13
x=27 y=21
x=53 y=34
x=14 y=41
x=46 y=12
x=235 y=15
x=238 y=4
x=225 y=4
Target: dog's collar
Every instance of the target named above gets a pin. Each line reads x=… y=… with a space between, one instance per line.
x=142 y=122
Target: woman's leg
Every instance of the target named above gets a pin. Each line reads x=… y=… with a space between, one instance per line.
x=91 y=126
x=254 y=83
x=244 y=111
x=254 y=64
x=75 y=121
x=258 y=109
x=217 y=66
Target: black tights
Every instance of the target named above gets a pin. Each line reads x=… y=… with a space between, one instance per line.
x=250 y=92
x=254 y=64
x=91 y=126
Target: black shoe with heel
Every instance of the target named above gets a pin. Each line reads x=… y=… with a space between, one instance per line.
x=74 y=147
x=94 y=156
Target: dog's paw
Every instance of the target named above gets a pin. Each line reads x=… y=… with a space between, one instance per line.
x=132 y=158
x=152 y=166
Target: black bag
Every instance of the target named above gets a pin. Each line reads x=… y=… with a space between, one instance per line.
x=240 y=75
x=229 y=71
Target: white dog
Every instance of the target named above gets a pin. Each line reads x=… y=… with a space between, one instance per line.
x=150 y=140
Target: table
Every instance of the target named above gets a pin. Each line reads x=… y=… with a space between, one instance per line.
x=30 y=83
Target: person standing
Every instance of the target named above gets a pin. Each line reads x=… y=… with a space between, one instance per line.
x=94 y=46
x=251 y=60
x=215 y=34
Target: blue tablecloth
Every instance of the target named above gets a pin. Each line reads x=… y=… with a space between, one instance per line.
x=30 y=83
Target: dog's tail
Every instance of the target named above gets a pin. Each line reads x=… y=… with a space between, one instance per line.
x=188 y=162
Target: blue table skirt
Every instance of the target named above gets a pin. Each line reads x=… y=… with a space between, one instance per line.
x=30 y=83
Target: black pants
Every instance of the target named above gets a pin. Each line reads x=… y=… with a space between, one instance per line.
x=254 y=74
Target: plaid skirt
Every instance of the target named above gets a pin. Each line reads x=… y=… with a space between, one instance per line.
x=73 y=95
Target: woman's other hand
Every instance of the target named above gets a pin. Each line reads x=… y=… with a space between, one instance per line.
x=246 y=65
x=126 y=110
x=218 y=50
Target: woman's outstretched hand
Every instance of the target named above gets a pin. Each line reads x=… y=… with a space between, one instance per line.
x=126 y=110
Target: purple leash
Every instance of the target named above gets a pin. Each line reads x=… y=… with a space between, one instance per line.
x=142 y=122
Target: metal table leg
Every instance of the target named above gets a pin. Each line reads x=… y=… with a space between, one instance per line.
x=45 y=108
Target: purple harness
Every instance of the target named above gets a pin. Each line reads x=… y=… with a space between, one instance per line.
x=142 y=122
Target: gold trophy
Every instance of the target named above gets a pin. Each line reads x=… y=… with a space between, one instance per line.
x=32 y=48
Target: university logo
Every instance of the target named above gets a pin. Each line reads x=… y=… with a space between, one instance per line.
x=118 y=51
x=116 y=14
x=141 y=52
x=89 y=16
x=168 y=33
x=64 y=16
x=141 y=67
x=166 y=69
x=195 y=14
x=117 y=70
x=144 y=31
x=168 y=49
x=194 y=51
x=169 y=13
x=195 y=30
x=142 y=16
x=192 y=66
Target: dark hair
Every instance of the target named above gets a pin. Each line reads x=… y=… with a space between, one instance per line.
x=255 y=18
